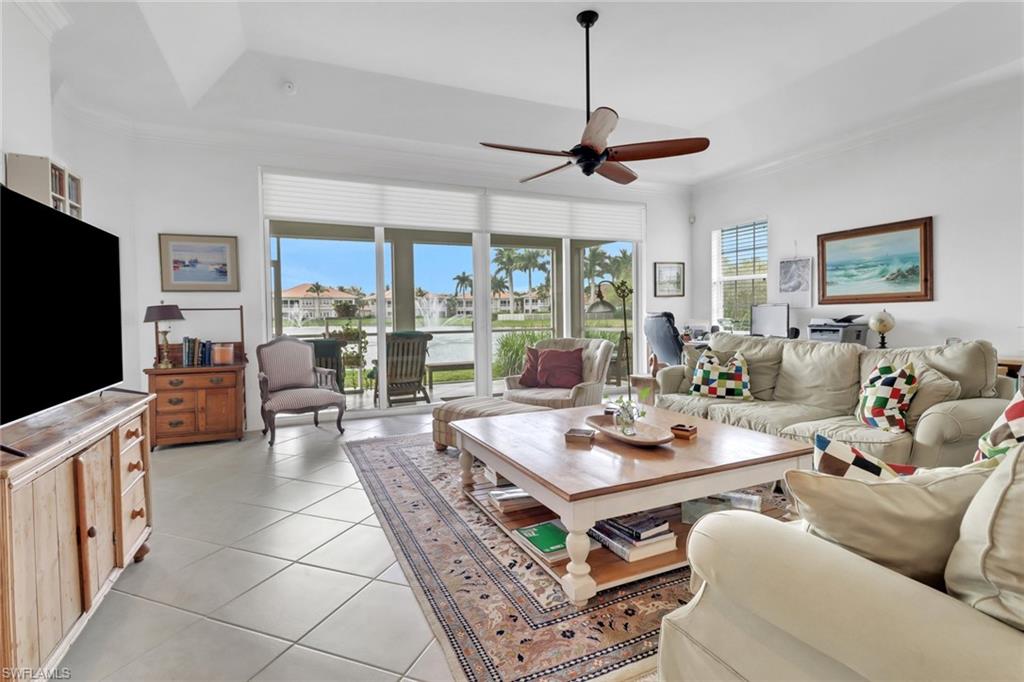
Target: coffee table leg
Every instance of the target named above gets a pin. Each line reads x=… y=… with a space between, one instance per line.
x=466 y=464
x=578 y=584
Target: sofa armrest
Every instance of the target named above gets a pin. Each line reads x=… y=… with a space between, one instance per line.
x=1005 y=387
x=671 y=378
x=587 y=393
x=512 y=383
x=879 y=623
x=947 y=433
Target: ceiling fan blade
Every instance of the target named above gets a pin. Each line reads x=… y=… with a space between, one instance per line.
x=601 y=124
x=550 y=170
x=658 y=150
x=527 y=150
x=616 y=172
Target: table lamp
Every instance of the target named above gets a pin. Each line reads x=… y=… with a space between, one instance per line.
x=157 y=314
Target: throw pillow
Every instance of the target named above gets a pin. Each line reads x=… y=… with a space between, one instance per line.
x=885 y=397
x=528 y=378
x=933 y=387
x=1007 y=432
x=908 y=524
x=560 y=368
x=986 y=566
x=713 y=379
x=839 y=459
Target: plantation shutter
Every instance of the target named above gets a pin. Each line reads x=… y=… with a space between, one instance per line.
x=739 y=272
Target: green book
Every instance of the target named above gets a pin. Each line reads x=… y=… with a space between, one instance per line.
x=547 y=537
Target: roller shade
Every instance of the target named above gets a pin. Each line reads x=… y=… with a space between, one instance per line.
x=561 y=217
x=316 y=199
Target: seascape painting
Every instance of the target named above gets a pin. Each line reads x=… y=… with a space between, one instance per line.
x=877 y=264
x=198 y=263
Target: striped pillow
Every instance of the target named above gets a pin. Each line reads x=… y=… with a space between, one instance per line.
x=712 y=379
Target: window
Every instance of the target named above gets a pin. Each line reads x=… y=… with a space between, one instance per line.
x=739 y=274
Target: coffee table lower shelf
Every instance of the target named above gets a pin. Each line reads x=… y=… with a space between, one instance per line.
x=606 y=568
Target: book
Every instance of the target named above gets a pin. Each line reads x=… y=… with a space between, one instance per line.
x=548 y=538
x=512 y=499
x=494 y=477
x=631 y=552
x=741 y=499
x=616 y=534
x=639 y=526
x=692 y=510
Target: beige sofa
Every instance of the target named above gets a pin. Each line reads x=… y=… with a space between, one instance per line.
x=597 y=354
x=775 y=603
x=803 y=388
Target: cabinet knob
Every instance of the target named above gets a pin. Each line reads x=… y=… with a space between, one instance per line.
x=135 y=466
x=175 y=401
x=132 y=433
x=91 y=532
x=176 y=382
x=139 y=513
x=216 y=380
x=176 y=423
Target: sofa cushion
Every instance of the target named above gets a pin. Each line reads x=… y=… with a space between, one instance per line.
x=714 y=378
x=886 y=445
x=986 y=567
x=825 y=375
x=763 y=355
x=695 y=405
x=764 y=416
x=555 y=398
x=885 y=397
x=973 y=364
x=933 y=387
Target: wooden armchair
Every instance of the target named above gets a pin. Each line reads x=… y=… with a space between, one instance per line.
x=290 y=382
x=406 y=354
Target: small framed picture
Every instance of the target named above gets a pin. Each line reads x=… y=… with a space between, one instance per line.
x=193 y=262
x=670 y=279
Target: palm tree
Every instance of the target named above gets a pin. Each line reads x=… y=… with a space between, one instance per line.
x=621 y=265
x=530 y=260
x=360 y=296
x=595 y=265
x=317 y=289
x=507 y=261
x=421 y=292
x=498 y=287
x=463 y=283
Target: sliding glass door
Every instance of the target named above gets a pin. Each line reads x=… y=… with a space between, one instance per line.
x=598 y=311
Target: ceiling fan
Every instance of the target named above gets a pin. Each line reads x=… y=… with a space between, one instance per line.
x=592 y=154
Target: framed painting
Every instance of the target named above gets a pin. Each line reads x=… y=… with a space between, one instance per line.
x=670 y=279
x=193 y=262
x=878 y=264
x=795 y=278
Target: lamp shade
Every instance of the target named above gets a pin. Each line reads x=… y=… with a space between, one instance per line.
x=601 y=306
x=162 y=312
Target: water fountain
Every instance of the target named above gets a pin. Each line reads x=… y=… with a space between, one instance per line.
x=431 y=309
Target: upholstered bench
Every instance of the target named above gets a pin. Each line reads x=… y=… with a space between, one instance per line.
x=466 y=408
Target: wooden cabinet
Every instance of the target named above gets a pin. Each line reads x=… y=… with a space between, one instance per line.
x=197 y=404
x=72 y=515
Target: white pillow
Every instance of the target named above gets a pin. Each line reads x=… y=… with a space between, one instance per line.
x=933 y=388
x=986 y=566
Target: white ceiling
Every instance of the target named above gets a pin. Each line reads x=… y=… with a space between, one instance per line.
x=761 y=80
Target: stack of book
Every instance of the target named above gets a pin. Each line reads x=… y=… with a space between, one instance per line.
x=548 y=539
x=511 y=499
x=196 y=352
x=637 y=536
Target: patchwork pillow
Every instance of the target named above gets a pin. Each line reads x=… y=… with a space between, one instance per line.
x=885 y=397
x=1007 y=431
x=839 y=459
x=713 y=379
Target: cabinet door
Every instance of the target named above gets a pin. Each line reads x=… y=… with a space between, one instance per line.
x=95 y=482
x=217 y=410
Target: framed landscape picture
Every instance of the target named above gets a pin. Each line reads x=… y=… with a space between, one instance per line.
x=670 y=279
x=877 y=264
x=192 y=262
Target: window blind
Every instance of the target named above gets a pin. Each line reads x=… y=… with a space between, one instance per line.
x=317 y=199
x=561 y=217
x=739 y=273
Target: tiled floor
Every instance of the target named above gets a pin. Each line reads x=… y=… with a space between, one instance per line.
x=266 y=563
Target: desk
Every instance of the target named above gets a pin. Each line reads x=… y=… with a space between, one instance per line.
x=445 y=365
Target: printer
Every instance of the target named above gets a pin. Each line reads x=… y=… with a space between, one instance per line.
x=842 y=329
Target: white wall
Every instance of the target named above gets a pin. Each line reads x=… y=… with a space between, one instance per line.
x=960 y=163
x=26 y=85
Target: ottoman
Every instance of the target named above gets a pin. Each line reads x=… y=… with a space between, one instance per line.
x=466 y=408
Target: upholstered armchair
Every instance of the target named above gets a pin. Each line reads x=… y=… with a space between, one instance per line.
x=290 y=382
x=597 y=354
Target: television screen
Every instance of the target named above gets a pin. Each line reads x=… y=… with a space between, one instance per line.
x=60 y=307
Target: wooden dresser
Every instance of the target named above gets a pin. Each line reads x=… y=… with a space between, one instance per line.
x=197 y=404
x=72 y=515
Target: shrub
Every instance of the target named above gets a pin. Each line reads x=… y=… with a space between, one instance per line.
x=510 y=354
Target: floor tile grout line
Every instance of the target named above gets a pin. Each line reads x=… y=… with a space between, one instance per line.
x=420 y=654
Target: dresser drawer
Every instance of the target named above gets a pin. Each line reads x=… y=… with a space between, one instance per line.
x=171 y=424
x=134 y=516
x=131 y=465
x=176 y=401
x=211 y=380
x=129 y=431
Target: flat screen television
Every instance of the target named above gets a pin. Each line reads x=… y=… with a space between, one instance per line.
x=60 y=308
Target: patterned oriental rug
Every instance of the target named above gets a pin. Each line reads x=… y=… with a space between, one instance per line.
x=496 y=614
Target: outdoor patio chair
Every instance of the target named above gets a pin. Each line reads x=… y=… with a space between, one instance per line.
x=406 y=354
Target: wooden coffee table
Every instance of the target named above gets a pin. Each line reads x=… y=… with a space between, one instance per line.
x=582 y=484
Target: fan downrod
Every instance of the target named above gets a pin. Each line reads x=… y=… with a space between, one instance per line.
x=587 y=18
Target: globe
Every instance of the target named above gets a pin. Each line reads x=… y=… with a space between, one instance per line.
x=882 y=322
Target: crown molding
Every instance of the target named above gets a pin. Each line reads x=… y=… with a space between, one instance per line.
x=48 y=17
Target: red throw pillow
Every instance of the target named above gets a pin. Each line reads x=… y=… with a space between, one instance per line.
x=560 y=368
x=529 y=376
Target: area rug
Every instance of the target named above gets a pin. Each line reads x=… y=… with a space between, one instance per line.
x=498 y=615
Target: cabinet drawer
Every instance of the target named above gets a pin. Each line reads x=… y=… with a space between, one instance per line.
x=129 y=431
x=170 y=424
x=176 y=401
x=131 y=465
x=134 y=516
x=212 y=380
